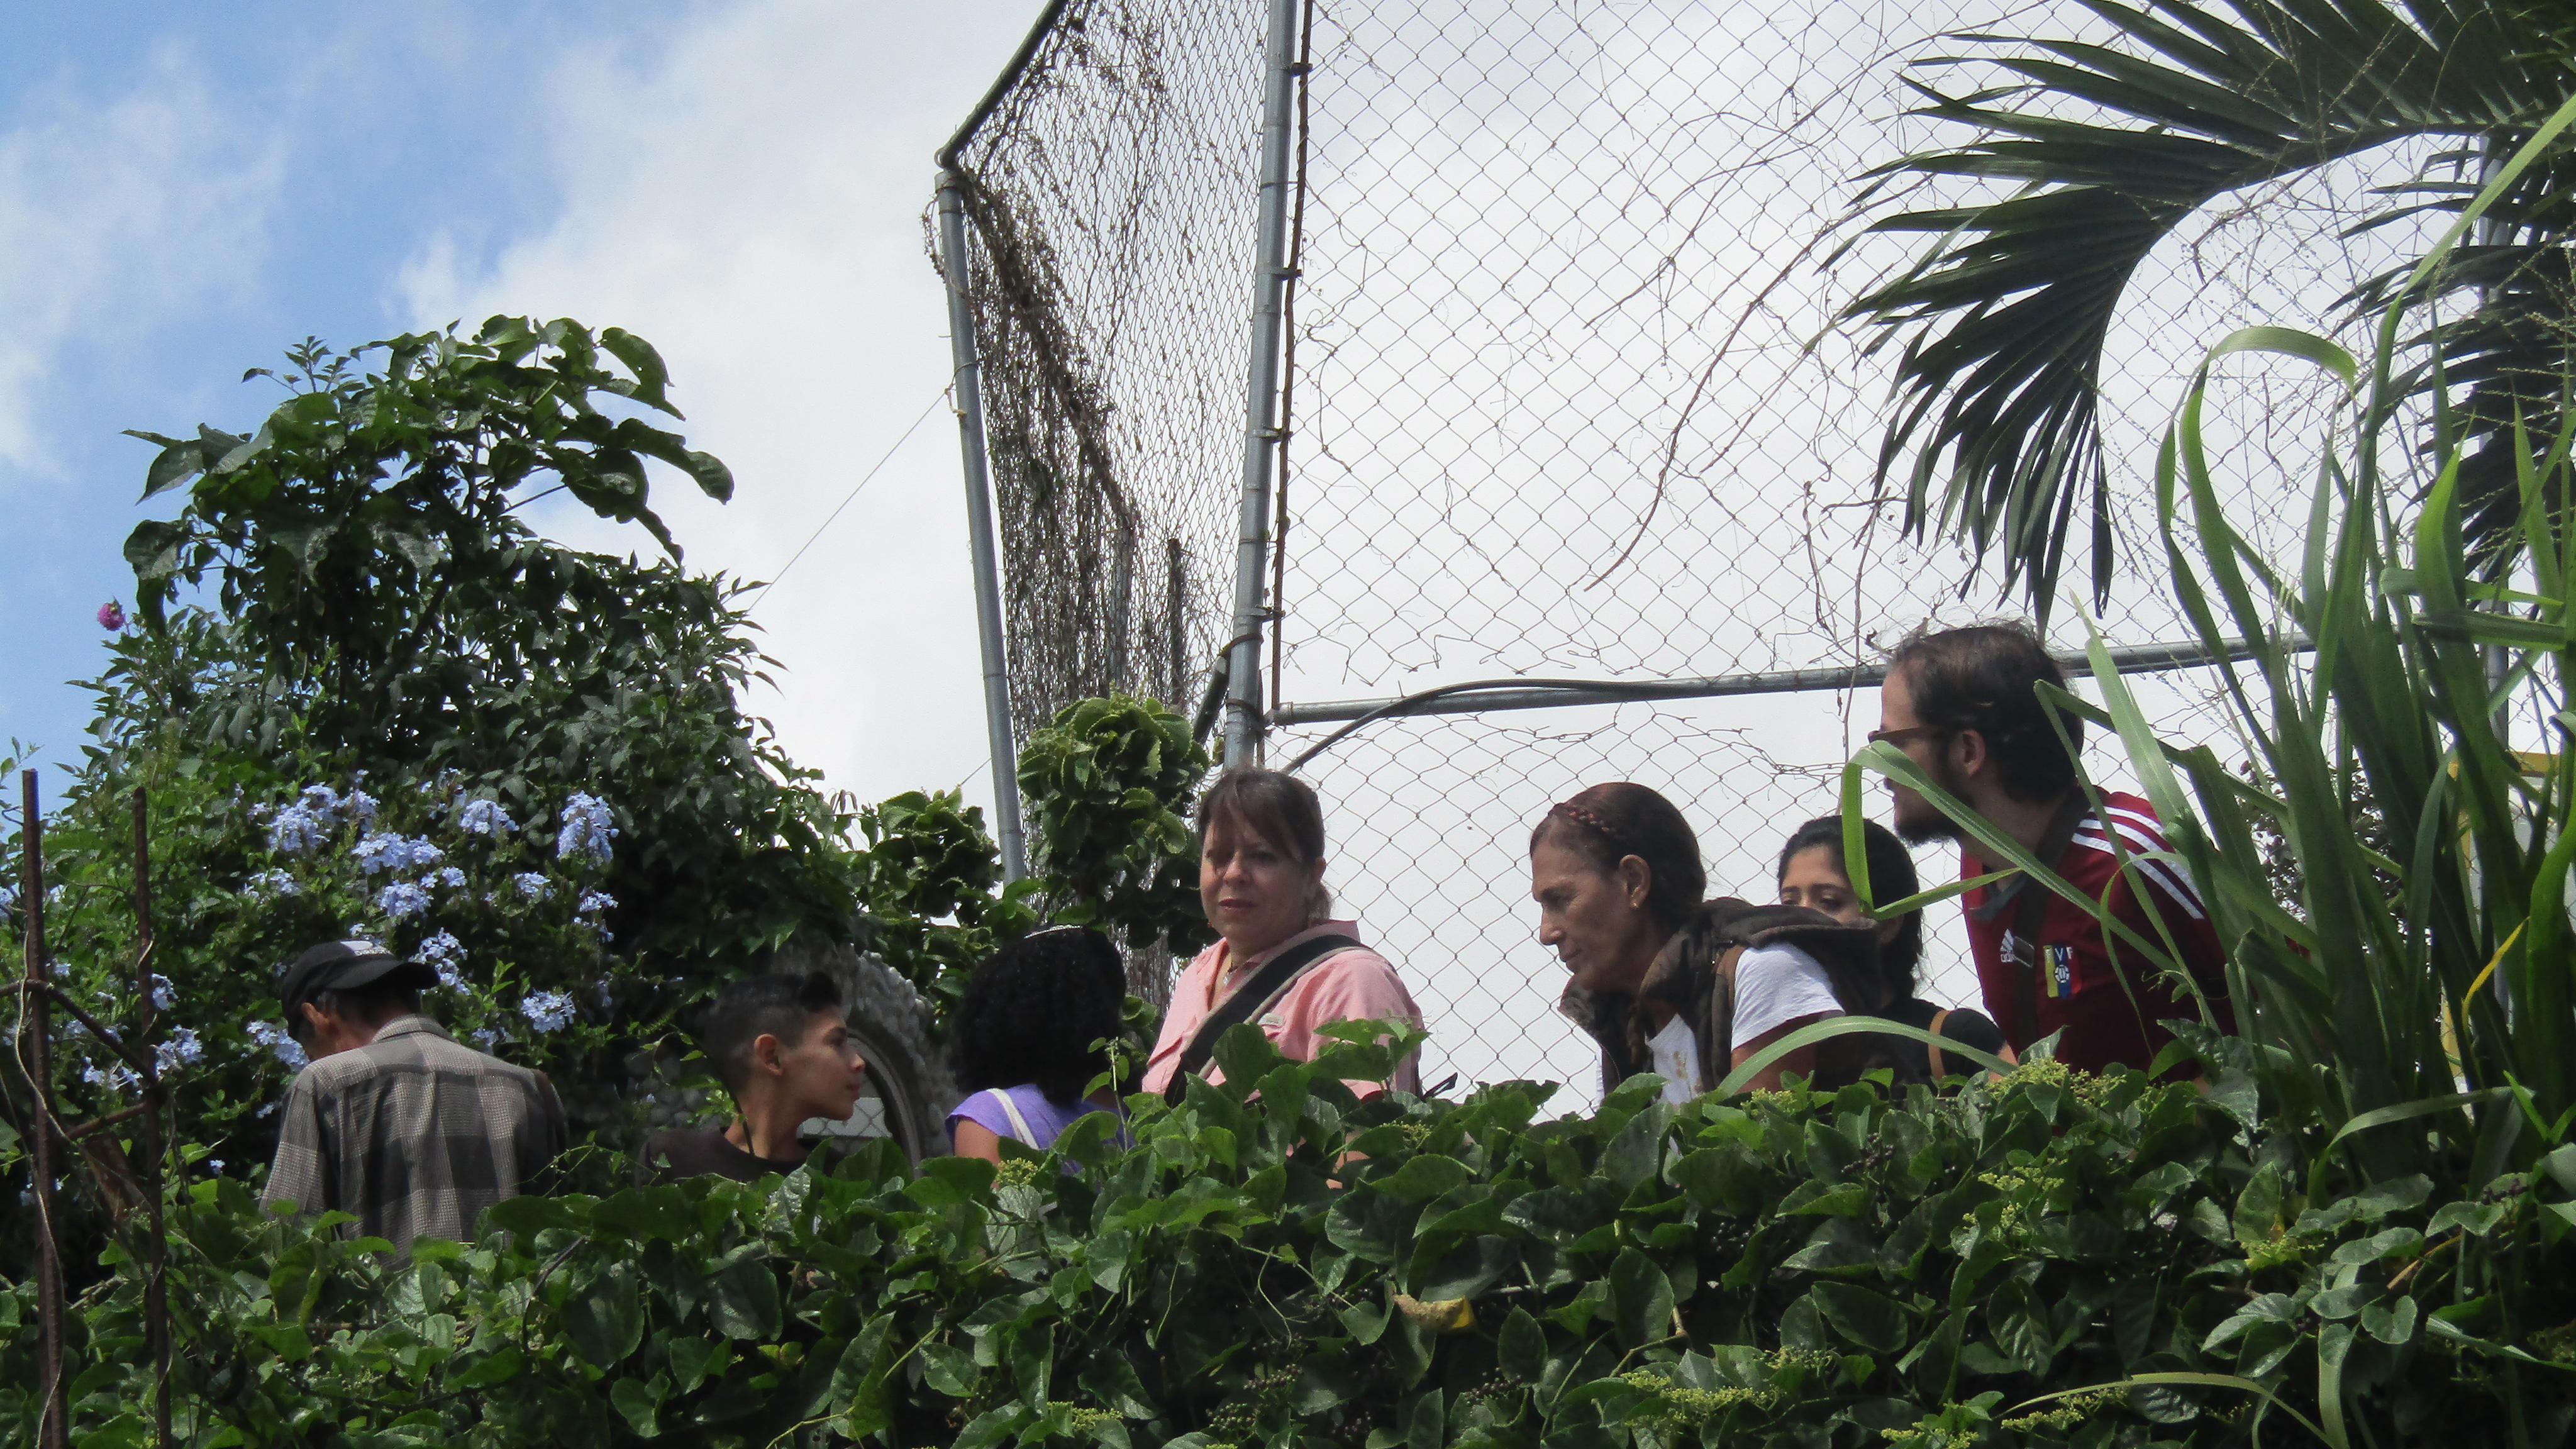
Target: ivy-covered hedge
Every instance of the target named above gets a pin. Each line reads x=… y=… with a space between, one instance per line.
x=1308 y=1269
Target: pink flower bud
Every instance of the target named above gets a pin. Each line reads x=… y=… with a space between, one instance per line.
x=111 y=616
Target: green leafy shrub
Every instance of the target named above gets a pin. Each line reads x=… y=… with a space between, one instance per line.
x=247 y=875
x=1782 y=1270
x=349 y=599
x=1108 y=782
x=379 y=604
x=930 y=881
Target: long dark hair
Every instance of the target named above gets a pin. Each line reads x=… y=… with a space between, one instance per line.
x=1033 y=1010
x=1608 y=823
x=1891 y=878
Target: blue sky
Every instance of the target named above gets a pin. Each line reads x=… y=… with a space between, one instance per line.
x=184 y=190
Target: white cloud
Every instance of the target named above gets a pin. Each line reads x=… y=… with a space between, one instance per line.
x=115 y=213
x=746 y=193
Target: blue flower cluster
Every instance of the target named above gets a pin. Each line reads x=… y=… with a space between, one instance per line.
x=277 y=1039
x=295 y=831
x=484 y=817
x=443 y=953
x=533 y=885
x=547 y=1010
x=181 y=1050
x=317 y=811
x=402 y=900
x=275 y=883
x=587 y=828
x=400 y=854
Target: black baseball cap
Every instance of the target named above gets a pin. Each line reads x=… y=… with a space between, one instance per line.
x=346 y=966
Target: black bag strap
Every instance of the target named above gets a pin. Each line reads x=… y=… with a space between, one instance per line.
x=1247 y=1001
x=2022 y=941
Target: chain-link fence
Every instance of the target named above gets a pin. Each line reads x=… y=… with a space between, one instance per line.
x=1110 y=221
x=1568 y=396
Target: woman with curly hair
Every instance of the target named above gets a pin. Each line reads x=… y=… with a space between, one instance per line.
x=1026 y=1039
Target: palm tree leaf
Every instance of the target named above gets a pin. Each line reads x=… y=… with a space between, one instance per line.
x=2006 y=315
x=2188 y=101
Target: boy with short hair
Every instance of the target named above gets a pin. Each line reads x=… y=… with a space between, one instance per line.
x=781 y=1044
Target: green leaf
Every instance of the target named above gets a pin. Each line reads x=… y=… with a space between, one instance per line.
x=2257 y=1219
x=1423 y=1176
x=605 y=1319
x=948 y=1369
x=1635 y=1151
x=1641 y=1300
x=176 y=463
x=1521 y=1347
x=529 y=1214
x=2196 y=1380
x=1869 y=1321
x=2018 y=1325
x=1423 y=1428
x=745 y=1301
x=645 y=1213
x=2392 y=1323
x=1817 y=1197
x=499 y=1366
x=2474 y=1218
x=1718 y=1178
x=152 y=549
x=637 y=1404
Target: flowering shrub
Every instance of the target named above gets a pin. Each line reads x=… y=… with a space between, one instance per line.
x=254 y=871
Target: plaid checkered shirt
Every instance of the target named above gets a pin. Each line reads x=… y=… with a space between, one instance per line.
x=414 y=1134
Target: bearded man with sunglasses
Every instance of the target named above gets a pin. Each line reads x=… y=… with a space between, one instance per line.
x=1964 y=705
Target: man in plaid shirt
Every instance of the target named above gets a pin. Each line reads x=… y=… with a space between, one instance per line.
x=394 y=1121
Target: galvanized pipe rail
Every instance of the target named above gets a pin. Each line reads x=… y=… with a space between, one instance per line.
x=1483 y=696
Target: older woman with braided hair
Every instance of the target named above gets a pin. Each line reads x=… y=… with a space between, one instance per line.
x=1664 y=981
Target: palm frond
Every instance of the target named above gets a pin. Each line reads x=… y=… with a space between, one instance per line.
x=2003 y=323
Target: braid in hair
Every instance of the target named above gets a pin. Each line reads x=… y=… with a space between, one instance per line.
x=1612 y=822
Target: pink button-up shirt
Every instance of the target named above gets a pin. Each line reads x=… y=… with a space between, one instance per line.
x=1352 y=985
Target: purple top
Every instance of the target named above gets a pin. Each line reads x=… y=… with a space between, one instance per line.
x=1046 y=1120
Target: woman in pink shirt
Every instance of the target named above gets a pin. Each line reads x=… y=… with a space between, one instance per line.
x=1261 y=875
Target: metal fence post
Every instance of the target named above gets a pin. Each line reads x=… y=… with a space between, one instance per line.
x=1271 y=275
x=979 y=524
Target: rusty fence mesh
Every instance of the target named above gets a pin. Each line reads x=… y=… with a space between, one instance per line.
x=1568 y=396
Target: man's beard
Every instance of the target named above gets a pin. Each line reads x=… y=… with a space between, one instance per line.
x=1924 y=823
